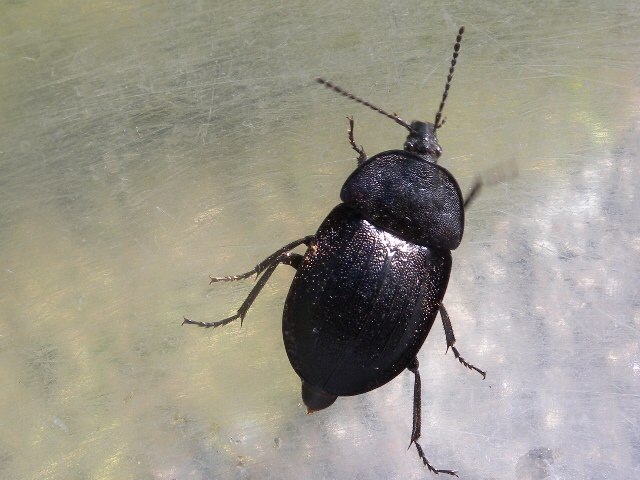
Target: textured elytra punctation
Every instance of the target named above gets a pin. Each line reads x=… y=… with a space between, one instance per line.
x=347 y=334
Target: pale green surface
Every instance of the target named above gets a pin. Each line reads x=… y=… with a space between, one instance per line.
x=146 y=146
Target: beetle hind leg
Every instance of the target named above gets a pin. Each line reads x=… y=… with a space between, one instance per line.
x=417 y=420
x=451 y=340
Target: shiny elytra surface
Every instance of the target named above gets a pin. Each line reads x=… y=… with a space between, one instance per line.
x=361 y=304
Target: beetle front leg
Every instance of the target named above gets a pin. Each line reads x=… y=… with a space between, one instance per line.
x=451 y=339
x=362 y=157
x=417 y=419
x=475 y=190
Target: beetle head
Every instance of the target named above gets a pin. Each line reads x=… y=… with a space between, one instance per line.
x=422 y=141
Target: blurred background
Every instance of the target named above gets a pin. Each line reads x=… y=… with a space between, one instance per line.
x=147 y=145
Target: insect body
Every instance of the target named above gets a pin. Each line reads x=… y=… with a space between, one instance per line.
x=371 y=283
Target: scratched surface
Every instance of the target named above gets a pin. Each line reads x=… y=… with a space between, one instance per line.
x=145 y=146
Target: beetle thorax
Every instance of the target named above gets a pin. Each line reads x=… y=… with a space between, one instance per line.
x=410 y=196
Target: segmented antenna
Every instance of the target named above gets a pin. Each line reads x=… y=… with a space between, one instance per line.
x=456 y=48
x=392 y=116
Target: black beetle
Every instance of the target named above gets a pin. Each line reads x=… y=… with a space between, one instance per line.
x=372 y=280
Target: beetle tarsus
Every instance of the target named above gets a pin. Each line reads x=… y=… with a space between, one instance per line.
x=231 y=278
x=467 y=364
x=362 y=157
x=210 y=324
x=451 y=340
x=428 y=465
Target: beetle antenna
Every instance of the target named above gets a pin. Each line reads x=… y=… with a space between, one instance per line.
x=456 y=48
x=392 y=116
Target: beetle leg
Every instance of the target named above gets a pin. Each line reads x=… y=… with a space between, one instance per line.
x=451 y=339
x=475 y=189
x=362 y=157
x=242 y=311
x=417 y=419
x=266 y=262
x=502 y=173
x=265 y=268
x=292 y=259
